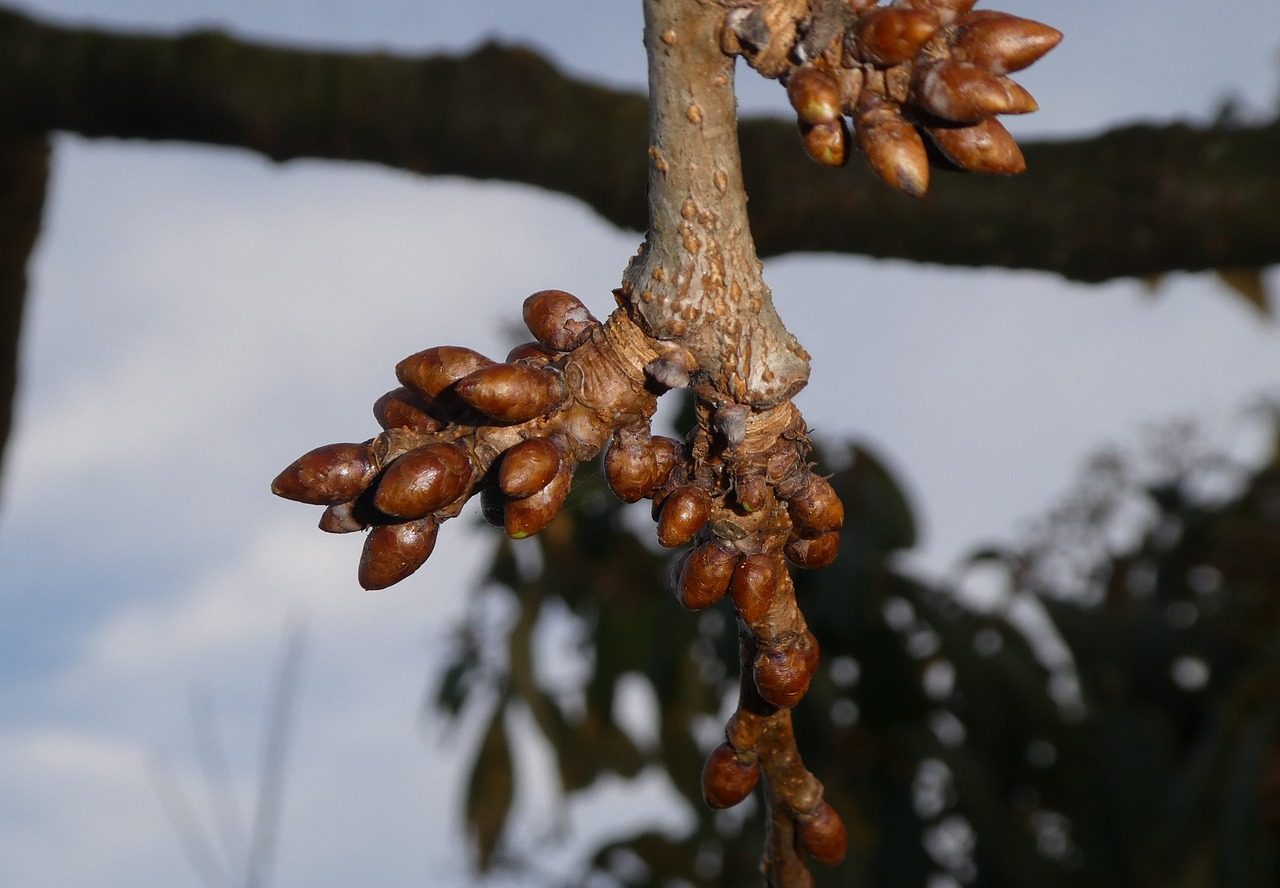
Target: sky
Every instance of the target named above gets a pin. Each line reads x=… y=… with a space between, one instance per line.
x=199 y=317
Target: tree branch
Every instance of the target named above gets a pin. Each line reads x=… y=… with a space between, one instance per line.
x=1139 y=200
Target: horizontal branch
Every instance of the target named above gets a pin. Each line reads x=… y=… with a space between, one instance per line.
x=1139 y=200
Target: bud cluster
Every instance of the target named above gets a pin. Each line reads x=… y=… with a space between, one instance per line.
x=897 y=75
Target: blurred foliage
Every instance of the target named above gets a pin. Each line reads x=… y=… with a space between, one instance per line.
x=1112 y=719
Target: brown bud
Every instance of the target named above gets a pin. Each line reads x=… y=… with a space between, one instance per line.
x=525 y=517
x=965 y=93
x=684 y=513
x=983 y=147
x=341 y=518
x=558 y=319
x=404 y=408
x=534 y=353
x=814 y=94
x=705 y=575
x=815 y=509
x=423 y=480
x=330 y=474
x=511 y=392
x=751 y=492
x=815 y=552
x=889 y=35
x=528 y=467
x=432 y=371
x=783 y=673
x=822 y=834
x=393 y=551
x=754 y=580
x=493 y=505
x=728 y=778
x=667 y=454
x=630 y=467
x=1001 y=42
x=827 y=143
x=892 y=146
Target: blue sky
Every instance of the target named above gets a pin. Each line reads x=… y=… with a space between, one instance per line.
x=199 y=317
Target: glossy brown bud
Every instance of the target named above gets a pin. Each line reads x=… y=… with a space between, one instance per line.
x=341 y=518
x=393 y=551
x=827 y=143
x=493 y=505
x=330 y=474
x=528 y=467
x=754 y=580
x=630 y=467
x=892 y=146
x=534 y=353
x=404 y=408
x=813 y=552
x=823 y=835
x=1001 y=42
x=423 y=480
x=965 y=93
x=684 y=513
x=511 y=392
x=728 y=778
x=751 y=492
x=705 y=575
x=558 y=319
x=814 y=94
x=983 y=147
x=525 y=517
x=432 y=371
x=783 y=673
x=815 y=508
x=889 y=35
x=667 y=454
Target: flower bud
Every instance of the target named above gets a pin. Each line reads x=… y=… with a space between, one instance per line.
x=965 y=93
x=1001 y=42
x=783 y=673
x=751 y=492
x=558 y=319
x=432 y=371
x=525 y=517
x=511 y=392
x=423 y=480
x=341 y=518
x=823 y=835
x=528 y=467
x=704 y=576
x=393 y=551
x=892 y=146
x=684 y=513
x=754 y=580
x=827 y=143
x=814 y=95
x=813 y=552
x=403 y=408
x=493 y=505
x=330 y=474
x=533 y=353
x=815 y=509
x=630 y=467
x=728 y=778
x=983 y=147
x=889 y=35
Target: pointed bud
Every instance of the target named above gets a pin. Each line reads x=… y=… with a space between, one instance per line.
x=983 y=147
x=525 y=517
x=330 y=474
x=727 y=777
x=558 y=319
x=813 y=553
x=782 y=674
x=753 y=584
x=827 y=143
x=815 y=508
x=814 y=95
x=511 y=392
x=528 y=467
x=684 y=513
x=404 y=408
x=1001 y=42
x=705 y=575
x=432 y=371
x=892 y=146
x=965 y=93
x=393 y=551
x=423 y=480
x=889 y=35
x=823 y=835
